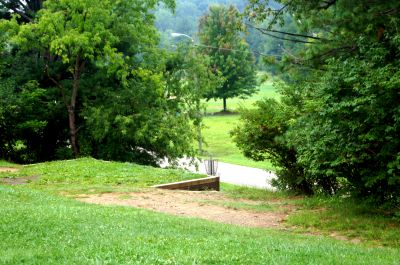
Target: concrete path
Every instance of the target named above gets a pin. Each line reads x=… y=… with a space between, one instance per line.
x=238 y=175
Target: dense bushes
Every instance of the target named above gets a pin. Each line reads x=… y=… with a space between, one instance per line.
x=341 y=134
x=86 y=77
x=341 y=106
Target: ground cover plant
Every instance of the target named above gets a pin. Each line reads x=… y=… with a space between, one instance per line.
x=41 y=228
x=340 y=217
x=4 y=163
x=336 y=217
x=90 y=175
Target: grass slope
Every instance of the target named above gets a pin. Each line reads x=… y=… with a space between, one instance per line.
x=38 y=228
x=88 y=175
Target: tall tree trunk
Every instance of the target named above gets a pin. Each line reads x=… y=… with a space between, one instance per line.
x=79 y=65
x=71 y=106
x=224 y=100
x=73 y=131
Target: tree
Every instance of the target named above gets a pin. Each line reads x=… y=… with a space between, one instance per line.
x=197 y=78
x=156 y=116
x=229 y=53
x=130 y=100
x=25 y=9
x=31 y=119
x=345 y=128
x=70 y=35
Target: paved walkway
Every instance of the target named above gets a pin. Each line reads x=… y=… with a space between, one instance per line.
x=239 y=175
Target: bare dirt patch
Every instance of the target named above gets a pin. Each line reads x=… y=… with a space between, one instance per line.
x=191 y=204
x=18 y=181
x=8 y=169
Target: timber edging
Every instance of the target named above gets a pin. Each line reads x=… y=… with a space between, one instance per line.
x=209 y=183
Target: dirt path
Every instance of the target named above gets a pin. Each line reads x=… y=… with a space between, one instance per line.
x=205 y=205
x=8 y=169
x=18 y=181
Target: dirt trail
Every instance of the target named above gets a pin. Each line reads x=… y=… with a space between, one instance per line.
x=18 y=181
x=8 y=169
x=192 y=204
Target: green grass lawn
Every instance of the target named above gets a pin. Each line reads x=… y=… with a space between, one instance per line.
x=330 y=216
x=88 y=175
x=219 y=144
x=265 y=89
x=38 y=228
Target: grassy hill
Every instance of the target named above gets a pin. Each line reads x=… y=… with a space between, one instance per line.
x=88 y=175
x=37 y=228
x=42 y=223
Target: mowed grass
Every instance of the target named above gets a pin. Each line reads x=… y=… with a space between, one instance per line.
x=88 y=175
x=265 y=90
x=40 y=228
x=346 y=217
x=218 y=142
x=336 y=216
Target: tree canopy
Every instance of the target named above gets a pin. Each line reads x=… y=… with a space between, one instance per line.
x=87 y=78
x=25 y=9
x=341 y=98
x=229 y=53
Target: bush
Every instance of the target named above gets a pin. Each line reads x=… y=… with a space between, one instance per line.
x=261 y=136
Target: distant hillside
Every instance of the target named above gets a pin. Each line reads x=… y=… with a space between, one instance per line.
x=186 y=17
x=187 y=14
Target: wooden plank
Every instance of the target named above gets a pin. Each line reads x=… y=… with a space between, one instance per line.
x=209 y=183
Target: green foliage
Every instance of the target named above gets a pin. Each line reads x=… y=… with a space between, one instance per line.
x=155 y=116
x=353 y=132
x=261 y=136
x=25 y=9
x=29 y=127
x=185 y=17
x=88 y=75
x=228 y=51
x=344 y=96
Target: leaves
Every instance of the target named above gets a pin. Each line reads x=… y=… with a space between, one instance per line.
x=228 y=51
